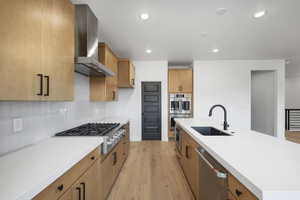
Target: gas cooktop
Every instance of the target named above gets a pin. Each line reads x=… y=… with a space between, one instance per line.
x=90 y=129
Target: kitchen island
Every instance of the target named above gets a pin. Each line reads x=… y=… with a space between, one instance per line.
x=267 y=166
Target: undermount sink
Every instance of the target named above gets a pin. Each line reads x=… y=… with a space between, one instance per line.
x=210 y=131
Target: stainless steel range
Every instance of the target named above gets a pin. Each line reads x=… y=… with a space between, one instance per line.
x=111 y=133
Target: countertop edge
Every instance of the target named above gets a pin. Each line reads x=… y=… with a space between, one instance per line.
x=250 y=186
x=58 y=173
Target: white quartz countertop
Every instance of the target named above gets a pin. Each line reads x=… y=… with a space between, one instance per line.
x=25 y=173
x=267 y=166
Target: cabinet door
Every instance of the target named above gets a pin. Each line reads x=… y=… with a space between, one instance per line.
x=112 y=82
x=105 y=88
x=186 y=81
x=107 y=174
x=132 y=74
x=70 y=194
x=20 y=52
x=87 y=187
x=180 y=80
x=189 y=162
x=193 y=170
x=58 y=49
x=89 y=183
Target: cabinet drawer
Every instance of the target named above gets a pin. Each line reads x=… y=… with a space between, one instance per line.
x=239 y=191
x=58 y=187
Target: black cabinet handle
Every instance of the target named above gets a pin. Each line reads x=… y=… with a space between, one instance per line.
x=238 y=193
x=83 y=186
x=114 y=95
x=132 y=81
x=115 y=158
x=48 y=82
x=187 y=151
x=41 y=84
x=79 y=192
x=61 y=187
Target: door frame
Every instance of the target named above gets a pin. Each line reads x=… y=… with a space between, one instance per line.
x=142 y=104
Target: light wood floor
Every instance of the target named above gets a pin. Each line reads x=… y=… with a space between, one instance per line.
x=151 y=172
x=293 y=136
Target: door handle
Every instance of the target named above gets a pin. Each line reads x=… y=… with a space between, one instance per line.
x=47 y=82
x=79 y=192
x=41 y=85
x=83 y=186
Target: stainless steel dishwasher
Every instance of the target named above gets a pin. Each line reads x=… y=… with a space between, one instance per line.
x=212 y=177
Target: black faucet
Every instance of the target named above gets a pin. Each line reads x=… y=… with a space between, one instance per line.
x=225 y=124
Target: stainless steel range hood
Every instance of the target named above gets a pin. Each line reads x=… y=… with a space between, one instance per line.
x=86 y=43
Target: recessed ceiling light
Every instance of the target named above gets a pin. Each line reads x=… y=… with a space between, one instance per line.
x=215 y=50
x=144 y=16
x=221 y=11
x=260 y=14
x=148 y=51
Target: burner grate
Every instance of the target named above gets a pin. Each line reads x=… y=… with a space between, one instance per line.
x=90 y=129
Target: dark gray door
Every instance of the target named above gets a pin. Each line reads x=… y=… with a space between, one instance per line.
x=151 y=110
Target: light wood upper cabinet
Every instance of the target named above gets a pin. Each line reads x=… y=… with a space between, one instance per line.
x=105 y=88
x=126 y=74
x=180 y=80
x=58 y=49
x=37 y=50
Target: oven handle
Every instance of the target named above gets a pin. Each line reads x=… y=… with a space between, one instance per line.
x=218 y=173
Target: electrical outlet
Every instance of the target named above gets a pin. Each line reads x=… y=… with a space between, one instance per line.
x=17 y=124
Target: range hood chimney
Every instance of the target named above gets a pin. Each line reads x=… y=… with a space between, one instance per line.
x=86 y=43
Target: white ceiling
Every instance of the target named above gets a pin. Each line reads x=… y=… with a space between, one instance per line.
x=174 y=29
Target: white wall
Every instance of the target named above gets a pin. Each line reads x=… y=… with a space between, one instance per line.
x=229 y=83
x=293 y=91
x=263 y=101
x=44 y=119
x=129 y=102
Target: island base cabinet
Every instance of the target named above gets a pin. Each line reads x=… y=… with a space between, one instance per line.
x=239 y=191
x=190 y=163
x=86 y=187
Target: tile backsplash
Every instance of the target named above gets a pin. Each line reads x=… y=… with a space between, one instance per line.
x=42 y=120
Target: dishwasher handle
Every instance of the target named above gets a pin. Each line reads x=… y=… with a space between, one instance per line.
x=219 y=174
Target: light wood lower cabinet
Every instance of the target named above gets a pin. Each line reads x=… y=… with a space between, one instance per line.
x=112 y=164
x=189 y=162
x=230 y=196
x=86 y=187
x=238 y=190
x=63 y=183
x=188 y=159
